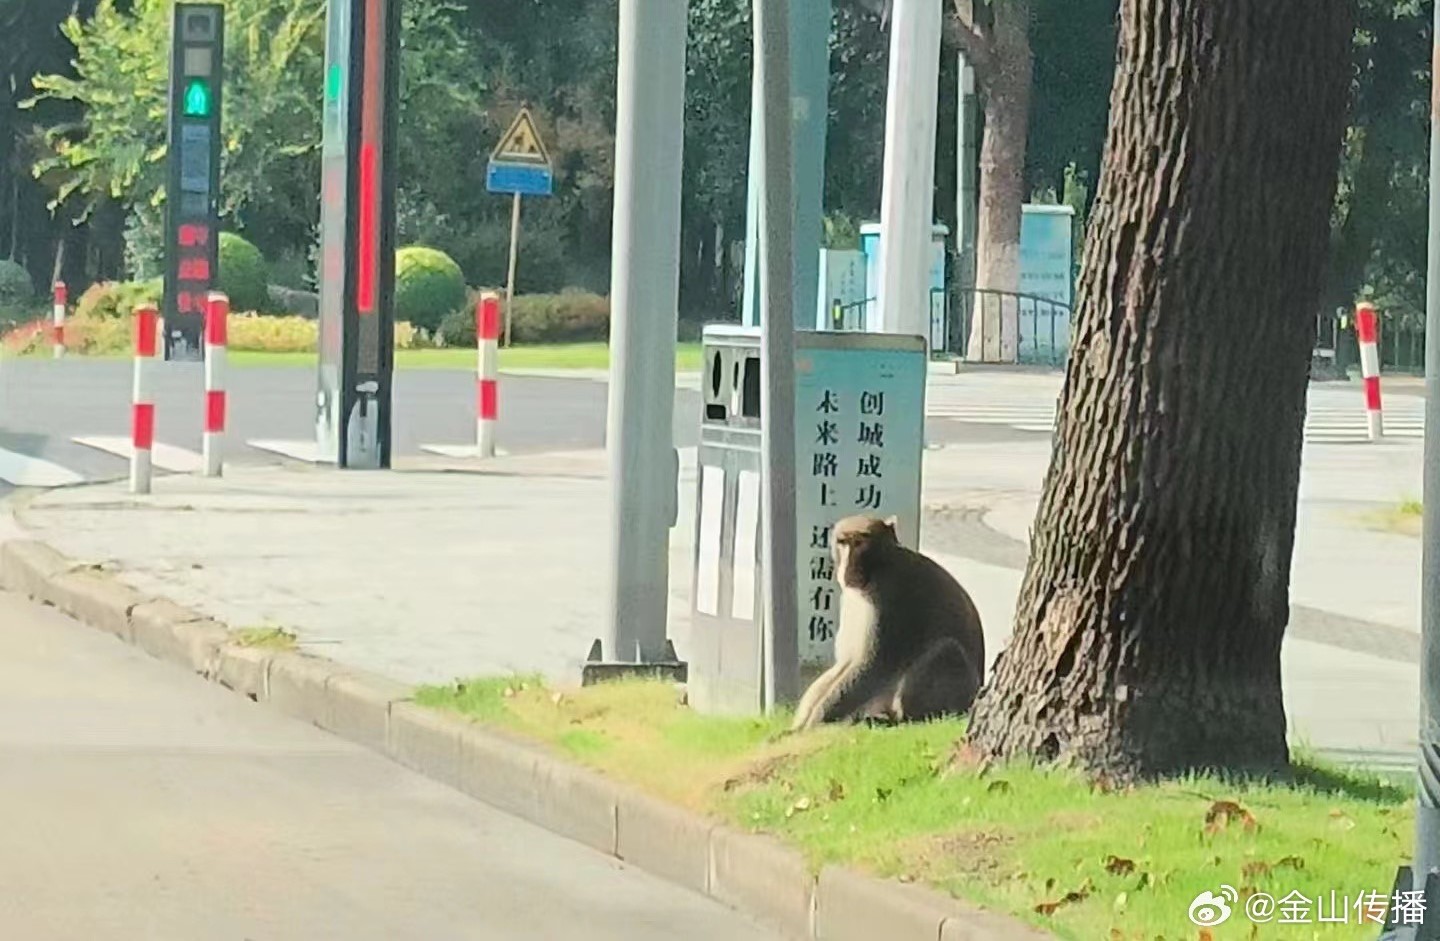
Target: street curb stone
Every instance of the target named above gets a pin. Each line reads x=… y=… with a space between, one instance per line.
x=245 y=670
x=295 y=684
x=759 y=874
x=358 y=707
x=663 y=839
x=26 y=566
x=425 y=740
x=753 y=873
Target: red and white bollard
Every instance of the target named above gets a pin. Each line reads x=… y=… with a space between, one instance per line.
x=487 y=389
x=57 y=323
x=142 y=416
x=217 y=313
x=1366 y=330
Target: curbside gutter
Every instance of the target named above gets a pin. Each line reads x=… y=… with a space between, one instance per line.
x=755 y=874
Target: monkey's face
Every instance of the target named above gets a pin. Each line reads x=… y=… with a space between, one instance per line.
x=852 y=537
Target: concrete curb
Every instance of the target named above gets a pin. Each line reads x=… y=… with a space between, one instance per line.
x=755 y=874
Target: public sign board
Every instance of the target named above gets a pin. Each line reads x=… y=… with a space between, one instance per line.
x=192 y=221
x=520 y=164
x=859 y=437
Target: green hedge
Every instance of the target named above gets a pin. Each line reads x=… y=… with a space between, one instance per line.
x=17 y=293
x=428 y=285
x=244 y=276
x=107 y=300
x=572 y=316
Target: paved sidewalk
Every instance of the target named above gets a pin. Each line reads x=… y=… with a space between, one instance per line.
x=441 y=570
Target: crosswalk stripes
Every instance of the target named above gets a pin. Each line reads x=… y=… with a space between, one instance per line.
x=22 y=470
x=1326 y=421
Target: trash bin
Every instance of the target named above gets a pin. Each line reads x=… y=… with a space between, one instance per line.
x=859 y=425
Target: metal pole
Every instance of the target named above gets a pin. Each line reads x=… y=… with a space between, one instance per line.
x=777 y=357
x=644 y=320
x=907 y=198
x=510 y=278
x=1427 y=815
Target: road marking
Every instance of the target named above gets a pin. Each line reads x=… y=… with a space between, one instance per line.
x=296 y=449
x=22 y=470
x=164 y=456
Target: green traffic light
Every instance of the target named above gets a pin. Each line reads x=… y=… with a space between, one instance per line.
x=197 y=99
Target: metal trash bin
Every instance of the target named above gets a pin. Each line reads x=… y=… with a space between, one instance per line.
x=859 y=440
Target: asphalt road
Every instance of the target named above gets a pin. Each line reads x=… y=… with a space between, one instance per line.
x=45 y=404
x=139 y=802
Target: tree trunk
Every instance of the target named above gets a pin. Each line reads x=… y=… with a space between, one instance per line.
x=994 y=331
x=1148 y=627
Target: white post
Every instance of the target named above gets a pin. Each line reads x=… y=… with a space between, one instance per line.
x=645 y=269
x=142 y=408
x=487 y=382
x=217 y=314
x=908 y=190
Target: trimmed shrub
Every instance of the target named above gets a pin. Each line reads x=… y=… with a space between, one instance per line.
x=251 y=334
x=428 y=285
x=17 y=292
x=572 y=316
x=115 y=300
x=243 y=274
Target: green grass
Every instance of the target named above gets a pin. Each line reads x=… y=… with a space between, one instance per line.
x=548 y=356
x=1086 y=863
x=272 y=638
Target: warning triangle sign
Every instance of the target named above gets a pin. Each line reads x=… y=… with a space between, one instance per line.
x=521 y=143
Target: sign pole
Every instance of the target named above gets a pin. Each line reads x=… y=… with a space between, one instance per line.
x=777 y=356
x=510 y=278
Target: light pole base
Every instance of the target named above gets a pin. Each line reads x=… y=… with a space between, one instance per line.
x=597 y=670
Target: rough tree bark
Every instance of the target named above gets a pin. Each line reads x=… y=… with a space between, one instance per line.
x=1148 y=628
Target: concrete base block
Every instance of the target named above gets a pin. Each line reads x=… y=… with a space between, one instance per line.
x=426 y=741
x=26 y=567
x=850 y=906
x=245 y=670
x=499 y=772
x=297 y=687
x=359 y=707
x=759 y=875
x=99 y=602
x=577 y=803
x=664 y=840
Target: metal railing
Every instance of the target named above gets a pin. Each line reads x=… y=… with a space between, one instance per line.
x=1036 y=328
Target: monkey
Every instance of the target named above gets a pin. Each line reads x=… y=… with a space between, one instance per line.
x=909 y=643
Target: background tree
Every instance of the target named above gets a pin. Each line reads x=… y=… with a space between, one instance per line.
x=1148 y=628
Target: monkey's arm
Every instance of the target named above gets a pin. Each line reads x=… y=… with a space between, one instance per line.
x=854 y=690
x=805 y=713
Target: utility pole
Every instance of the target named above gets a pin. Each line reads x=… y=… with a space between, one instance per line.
x=1427 y=816
x=644 y=319
x=966 y=191
x=907 y=199
x=809 y=71
x=777 y=354
x=1423 y=875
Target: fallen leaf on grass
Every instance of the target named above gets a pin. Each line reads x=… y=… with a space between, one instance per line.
x=1255 y=870
x=509 y=693
x=1220 y=814
x=1294 y=862
x=1205 y=935
x=837 y=790
x=800 y=806
x=557 y=698
x=1118 y=866
x=1001 y=786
